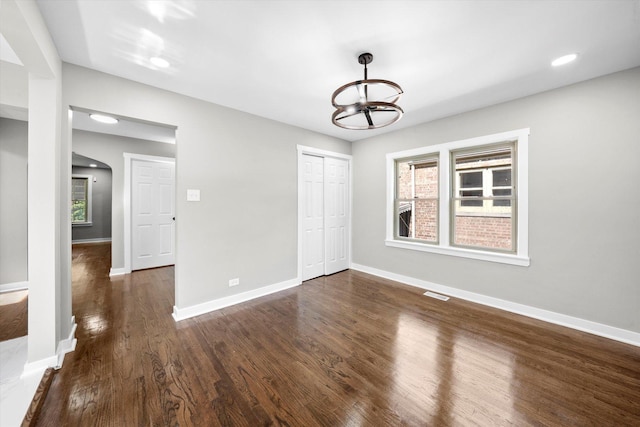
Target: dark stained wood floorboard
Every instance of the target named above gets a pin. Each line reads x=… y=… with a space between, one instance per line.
x=13 y=315
x=347 y=349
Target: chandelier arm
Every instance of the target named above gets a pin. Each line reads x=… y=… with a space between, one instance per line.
x=367 y=114
x=355 y=113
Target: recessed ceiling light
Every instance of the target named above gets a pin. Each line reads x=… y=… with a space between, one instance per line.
x=103 y=119
x=159 y=62
x=93 y=165
x=564 y=59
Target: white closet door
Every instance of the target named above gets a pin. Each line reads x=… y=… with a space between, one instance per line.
x=336 y=214
x=152 y=214
x=312 y=169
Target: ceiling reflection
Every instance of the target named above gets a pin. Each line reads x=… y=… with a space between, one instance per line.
x=164 y=10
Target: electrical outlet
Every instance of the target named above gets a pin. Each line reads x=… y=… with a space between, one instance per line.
x=234 y=282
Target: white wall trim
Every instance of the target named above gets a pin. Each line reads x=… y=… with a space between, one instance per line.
x=128 y=158
x=39 y=366
x=64 y=346
x=213 y=305
x=117 y=272
x=618 y=334
x=99 y=240
x=302 y=150
x=15 y=286
x=67 y=345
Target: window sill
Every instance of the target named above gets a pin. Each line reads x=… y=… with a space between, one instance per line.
x=81 y=224
x=462 y=253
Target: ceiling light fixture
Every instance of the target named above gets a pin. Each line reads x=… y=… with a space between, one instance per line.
x=104 y=119
x=564 y=59
x=93 y=165
x=368 y=103
x=159 y=62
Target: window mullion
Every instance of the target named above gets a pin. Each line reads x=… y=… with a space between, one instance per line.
x=445 y=184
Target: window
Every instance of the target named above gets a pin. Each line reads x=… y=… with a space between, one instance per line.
x=482 y=198
x=417 y=198
x=81 y=199
x=465 y=198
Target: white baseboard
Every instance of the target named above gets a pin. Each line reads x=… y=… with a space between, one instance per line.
x=217 y=304
x=16 y=286
x=99 y=240
x=117 y=272
x=31 y=368
x=67 y=345
x=618 y=334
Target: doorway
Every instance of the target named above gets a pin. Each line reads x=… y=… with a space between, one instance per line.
x=324 y=212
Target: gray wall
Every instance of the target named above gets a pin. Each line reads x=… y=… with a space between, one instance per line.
x=109 y=149
x=584 y=202
x=246 y=168
x=100 y=227
x=13 y=201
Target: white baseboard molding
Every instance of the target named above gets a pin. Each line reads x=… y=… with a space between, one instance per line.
x=16 y=286
x=117 y=271
x=67 y=345
x=213 y=305
x=39 y=366
x=611 y=332
x=98 y=240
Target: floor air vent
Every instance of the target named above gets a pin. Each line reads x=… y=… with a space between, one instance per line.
x=436 y=296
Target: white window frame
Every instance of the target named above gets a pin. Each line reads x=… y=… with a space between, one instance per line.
x=444 y=247
x=89 y=220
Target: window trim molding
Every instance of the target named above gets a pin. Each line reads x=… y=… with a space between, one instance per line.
x=89 y=221
x=521 y=256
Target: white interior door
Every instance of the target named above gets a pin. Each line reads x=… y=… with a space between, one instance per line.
x=152 y=214
x=336 y=214
x=312 y=169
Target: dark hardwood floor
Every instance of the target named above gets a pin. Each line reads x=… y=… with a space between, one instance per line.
x=13 y=315
x=345 y=350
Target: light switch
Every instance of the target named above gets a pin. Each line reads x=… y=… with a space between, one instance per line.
x=193 y=195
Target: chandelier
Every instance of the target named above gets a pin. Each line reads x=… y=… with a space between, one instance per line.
x=368 y=103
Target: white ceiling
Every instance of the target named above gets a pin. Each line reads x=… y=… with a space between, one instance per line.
x=283 y=59
x=125 y=127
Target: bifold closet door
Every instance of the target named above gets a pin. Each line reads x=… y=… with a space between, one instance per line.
x=336 y=214
x=325 y=216
x=312 y=170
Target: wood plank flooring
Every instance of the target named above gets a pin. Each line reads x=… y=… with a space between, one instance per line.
x=13 y=315
x=345 y=350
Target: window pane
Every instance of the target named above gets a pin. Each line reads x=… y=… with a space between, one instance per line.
x=404 y=219
x=427 y=220
x=471 y=180
x=417 y=178
x=502 y=192
x=426 y=180
x=79 y=211
x=502 y=178
x=403 y=180
x=471 y=194
x=417 y=198
x=482 y=204
x=493 y=232
x=418 y=220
